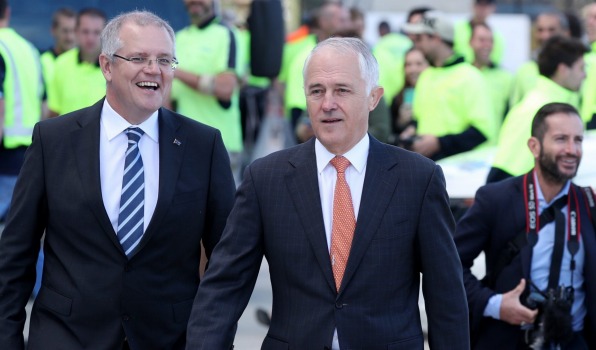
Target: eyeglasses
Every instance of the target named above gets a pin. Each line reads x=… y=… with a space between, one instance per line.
x=162 y=62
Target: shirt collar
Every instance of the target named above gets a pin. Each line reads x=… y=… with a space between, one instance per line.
x=80 y=59
x=207 y=22
x=541 y=201
x=115 y=124
x=357 y=155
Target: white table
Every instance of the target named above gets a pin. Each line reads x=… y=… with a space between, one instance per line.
x=466 y=172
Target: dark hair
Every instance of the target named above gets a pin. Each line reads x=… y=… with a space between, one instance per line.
x=92 y=12
x=417 y=11
x=62 y=12
x=384 y=25
x=559 y=49
x=575 y=25
x=539 y=126
x=356 y=13
x=3 y=7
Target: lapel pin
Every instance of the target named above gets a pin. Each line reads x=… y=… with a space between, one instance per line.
x=177 y=143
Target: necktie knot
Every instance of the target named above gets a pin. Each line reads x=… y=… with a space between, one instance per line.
x=134 y=134
x=340 y=163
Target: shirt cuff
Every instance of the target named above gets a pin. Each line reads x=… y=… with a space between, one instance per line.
x=493 y=307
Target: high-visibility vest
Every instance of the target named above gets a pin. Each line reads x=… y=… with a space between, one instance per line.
x=23 y=88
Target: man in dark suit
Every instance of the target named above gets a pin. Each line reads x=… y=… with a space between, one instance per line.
x=125 y=191
x=337 y=283
x=513 y=223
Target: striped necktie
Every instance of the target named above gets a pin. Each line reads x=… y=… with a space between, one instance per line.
x=132 y=200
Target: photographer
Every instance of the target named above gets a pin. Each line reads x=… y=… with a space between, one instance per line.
x=540 y=246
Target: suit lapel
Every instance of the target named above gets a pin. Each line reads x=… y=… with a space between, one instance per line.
x=85 y=143
x=170 y=161
x=303 y=185
x=379 y=185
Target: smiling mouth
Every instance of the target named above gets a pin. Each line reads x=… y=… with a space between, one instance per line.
x=148 y=85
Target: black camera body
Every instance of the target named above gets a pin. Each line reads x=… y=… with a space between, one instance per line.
x=553 y=323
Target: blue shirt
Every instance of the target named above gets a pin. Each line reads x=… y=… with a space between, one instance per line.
x=541 y=260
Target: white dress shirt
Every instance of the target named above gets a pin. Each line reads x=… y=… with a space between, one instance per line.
x=113 y=143
x=327 y=176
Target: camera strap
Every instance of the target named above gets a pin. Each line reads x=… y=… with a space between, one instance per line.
x=553 y=212
x=589 y=197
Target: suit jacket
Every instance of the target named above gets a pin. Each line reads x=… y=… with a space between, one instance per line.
x=92 y=296
x=497 y=216
x=404 y=228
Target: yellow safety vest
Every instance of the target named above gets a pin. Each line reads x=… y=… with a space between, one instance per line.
x=23 y=88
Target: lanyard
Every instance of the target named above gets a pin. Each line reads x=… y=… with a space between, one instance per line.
x=533 y=222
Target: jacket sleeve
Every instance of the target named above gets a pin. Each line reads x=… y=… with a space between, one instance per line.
x=442 y=284
x=458 y=143
x=230 y=279
x=221 y=195
x=472 y=236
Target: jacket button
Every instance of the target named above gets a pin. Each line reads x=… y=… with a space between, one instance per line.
x=125 y=317
x=339 y=305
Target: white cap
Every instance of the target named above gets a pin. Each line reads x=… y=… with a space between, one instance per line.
x=433 y=23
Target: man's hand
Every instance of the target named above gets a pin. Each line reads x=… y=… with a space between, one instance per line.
x=512 y=311
x=427 y=145
x=224 y=85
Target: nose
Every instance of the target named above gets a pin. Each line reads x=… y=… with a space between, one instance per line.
x=152 y=66
x=329 y=101
x=573 y=147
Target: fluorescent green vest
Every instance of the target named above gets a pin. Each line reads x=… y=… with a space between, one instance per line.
x=207 y=51
x=290 y=51
x=524 y=81
x=74 y=84
x=23 y=88
x=513 y=155
x=463 y=101
x=48 y=61
x=588 y=91
x=499 y=82
x=390 y=52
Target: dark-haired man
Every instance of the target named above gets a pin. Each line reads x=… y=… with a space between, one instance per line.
x=77 y=81
x=63 y=32
x=561 y=66
x=452 y=106
x=540 y=247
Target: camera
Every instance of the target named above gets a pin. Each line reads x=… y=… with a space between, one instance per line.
x=553 y=322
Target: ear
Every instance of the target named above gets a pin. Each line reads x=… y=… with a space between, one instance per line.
x=562 y=68
x=374 y=97
x=534 y=146
x=106 y=66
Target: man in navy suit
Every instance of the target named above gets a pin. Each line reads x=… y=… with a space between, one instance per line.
x=513 y=223
x=122 y=240
x=358 y=295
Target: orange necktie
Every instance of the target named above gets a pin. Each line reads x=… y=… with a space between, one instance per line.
x=344 y=222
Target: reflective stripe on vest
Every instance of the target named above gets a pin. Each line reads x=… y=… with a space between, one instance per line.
x=17 y=128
